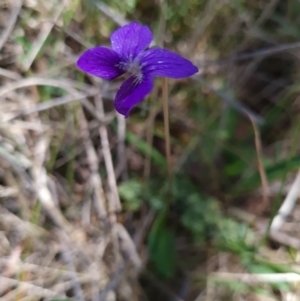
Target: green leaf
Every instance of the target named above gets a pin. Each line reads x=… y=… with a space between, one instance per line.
x=131 y=192
x=162 y=247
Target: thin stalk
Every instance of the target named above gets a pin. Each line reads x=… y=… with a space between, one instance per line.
x=165 y=96
x=149 y=134
x=261 y=170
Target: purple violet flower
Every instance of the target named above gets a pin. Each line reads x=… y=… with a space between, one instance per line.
x=129 y=54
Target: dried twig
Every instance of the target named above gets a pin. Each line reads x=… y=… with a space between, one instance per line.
x=262 y=172
x=114 y=15
x=285 y=239
x=112 y=284
x=70 y=262
x=34 y=289
x=128 y=245
x=10 y=74
x=121 y=148
x=287 y=205
x=40 y=180
x=256 y=278
x=20 y=266
x=67 y=85
x=44 y=33
x=11 y=22
x=95 y=179
x=116 y=206
x=262 y=226
x=13 y=220
x=52 y=103
x=37 y=81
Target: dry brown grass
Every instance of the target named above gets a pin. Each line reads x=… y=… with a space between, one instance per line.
x=87 y=254
x=62 y=233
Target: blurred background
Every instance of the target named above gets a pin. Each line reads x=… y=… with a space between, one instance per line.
x=85 y=211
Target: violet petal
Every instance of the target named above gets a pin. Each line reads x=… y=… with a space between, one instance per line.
x=162 y=62
x=131 y=93
x=131 y=39
x=101 y=61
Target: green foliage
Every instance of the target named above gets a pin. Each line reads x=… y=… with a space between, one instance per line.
x=201 y=216
x=48 y=92
x=131 y=193
x=161 y=242
x=156 y=203
x=236 y=237
x=233 y=286
x=204 y=218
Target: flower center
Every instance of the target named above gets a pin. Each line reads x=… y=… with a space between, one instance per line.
x=133 y=68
